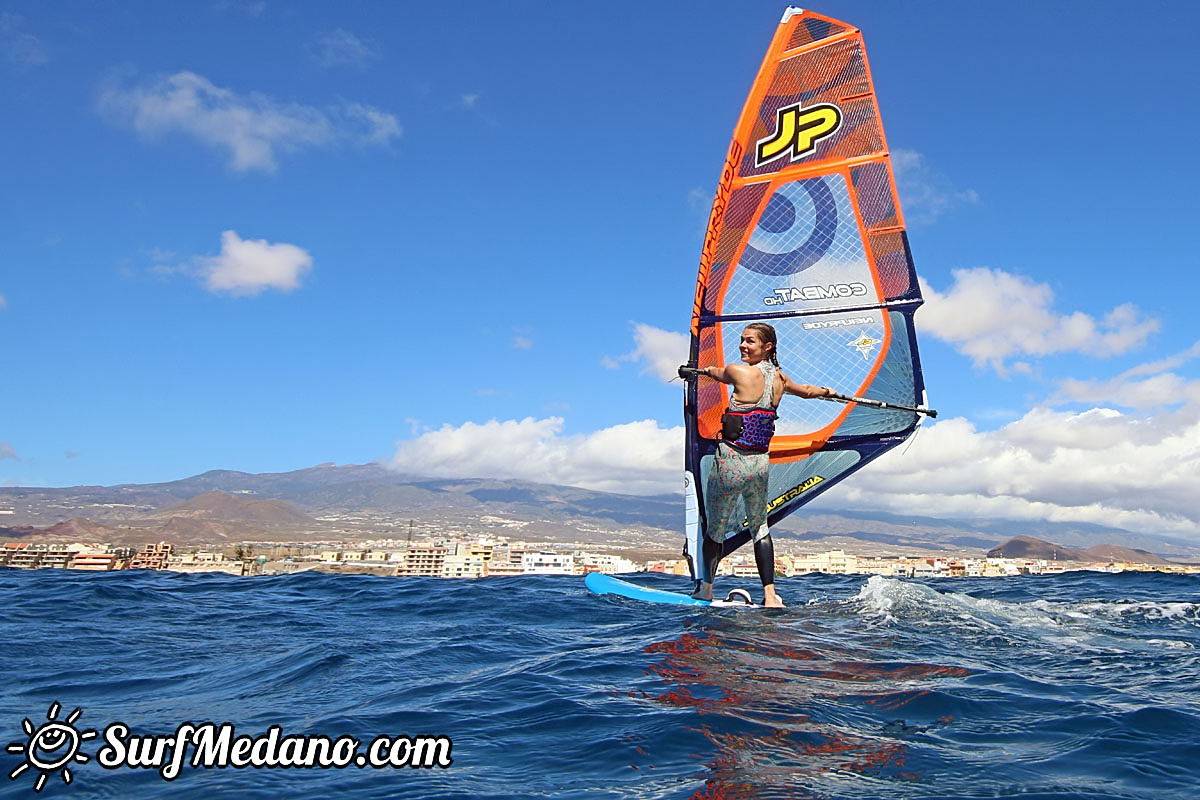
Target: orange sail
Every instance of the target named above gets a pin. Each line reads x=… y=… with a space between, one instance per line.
x=806 y=234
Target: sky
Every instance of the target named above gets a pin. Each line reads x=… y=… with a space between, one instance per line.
x=462 y=239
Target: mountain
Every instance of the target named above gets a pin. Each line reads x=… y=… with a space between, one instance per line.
x=1117 y=553
x=368 y=501
x=1029 y=547
x=218 y=505
x=74 y=529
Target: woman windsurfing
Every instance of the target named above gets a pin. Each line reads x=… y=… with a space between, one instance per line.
x=741 y=464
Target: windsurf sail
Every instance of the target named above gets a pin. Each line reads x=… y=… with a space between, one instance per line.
x=806 y=234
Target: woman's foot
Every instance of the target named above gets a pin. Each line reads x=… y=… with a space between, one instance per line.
x=703 y=591
x=770 y=599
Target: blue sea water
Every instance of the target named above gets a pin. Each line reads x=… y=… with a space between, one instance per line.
x=1075 y=686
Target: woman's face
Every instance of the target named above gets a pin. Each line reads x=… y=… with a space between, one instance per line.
x=753 y=348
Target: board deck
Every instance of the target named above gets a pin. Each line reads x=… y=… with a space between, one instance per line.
x=607 y=584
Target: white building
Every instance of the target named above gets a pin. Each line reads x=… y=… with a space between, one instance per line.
x=463 y=565
x=608 y=564
x=547 y=563
x=204 y=562
x=832 y=562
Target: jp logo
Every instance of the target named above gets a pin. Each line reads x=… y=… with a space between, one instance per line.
x=52 y=746
x=797 y=132
x=795 y=232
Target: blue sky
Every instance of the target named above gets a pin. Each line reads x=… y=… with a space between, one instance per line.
x=462 y=238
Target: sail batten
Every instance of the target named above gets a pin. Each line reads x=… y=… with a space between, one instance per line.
x=806 y=233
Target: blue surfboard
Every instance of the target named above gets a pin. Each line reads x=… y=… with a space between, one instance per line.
x=607 y=584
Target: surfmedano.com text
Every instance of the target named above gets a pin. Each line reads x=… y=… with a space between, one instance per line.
x=218 y=746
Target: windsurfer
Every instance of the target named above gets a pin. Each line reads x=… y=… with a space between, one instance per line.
x=741 y=464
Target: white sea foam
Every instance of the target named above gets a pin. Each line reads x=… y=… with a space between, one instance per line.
x=893 y=598
x=1084 y=625
x=1117 y=609
x=1171 y=644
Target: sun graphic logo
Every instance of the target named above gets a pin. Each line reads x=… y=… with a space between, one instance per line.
x=52 y=746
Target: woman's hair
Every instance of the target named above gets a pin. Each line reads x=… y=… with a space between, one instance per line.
x=767 y=333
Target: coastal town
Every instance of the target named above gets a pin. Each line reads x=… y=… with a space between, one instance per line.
x=365 y=519
x=497 y=556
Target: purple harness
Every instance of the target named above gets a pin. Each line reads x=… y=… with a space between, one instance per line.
x=749 y=430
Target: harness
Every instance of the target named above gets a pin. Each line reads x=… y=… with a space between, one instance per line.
x=750 y=430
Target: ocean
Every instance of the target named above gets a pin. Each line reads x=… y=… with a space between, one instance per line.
x=1083 y=685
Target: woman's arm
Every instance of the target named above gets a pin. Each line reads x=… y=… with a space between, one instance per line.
x=746 y=381
x=806 y=390
x=730 y=373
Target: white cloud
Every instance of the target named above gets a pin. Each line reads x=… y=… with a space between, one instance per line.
x=1145 y=386
x=661 y=352
x=377 y=127
x=636 y=457
x=6 y=451
x=341 y=48
x=1170 y=362
x=1099 y=466
x=1134 y=469
x=17 y=46
x=253 y=128
x=1158 y=390
x=249 y=266
x=925 y=194
x=470 y=102
x=522 y=338
x=992 y=315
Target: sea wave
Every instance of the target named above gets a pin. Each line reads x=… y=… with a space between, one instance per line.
x=1080 y=686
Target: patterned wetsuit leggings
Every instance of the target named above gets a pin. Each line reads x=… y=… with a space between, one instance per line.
x=736 y=474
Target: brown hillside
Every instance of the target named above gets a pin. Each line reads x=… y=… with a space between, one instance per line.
x=79 y=529
x=1029 y=547
x=75 y=529
x=1129 y=555
x=224 y=507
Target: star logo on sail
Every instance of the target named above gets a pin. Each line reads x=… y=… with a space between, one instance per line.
x=797 y=132
x=864 y=344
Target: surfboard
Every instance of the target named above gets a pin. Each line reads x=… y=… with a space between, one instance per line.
x=607 y=584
